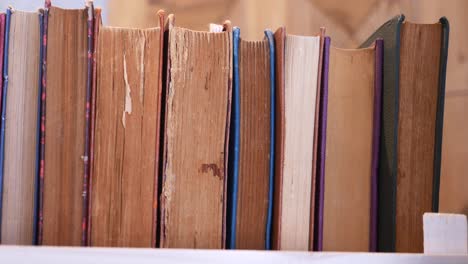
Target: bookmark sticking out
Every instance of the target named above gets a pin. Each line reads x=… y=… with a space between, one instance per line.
x=216 y=28
x=89 y=3
x=445 y=234
x=170 y=22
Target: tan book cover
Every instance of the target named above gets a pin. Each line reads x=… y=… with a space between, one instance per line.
x=352 y=130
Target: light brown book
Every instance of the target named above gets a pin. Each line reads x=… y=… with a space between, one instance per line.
x=21 y=129
x=254 y=155
x=126 y=146
x=296 y=106
x=420 y=57
x=198 y=94
x=64 y=126
x=352 y=130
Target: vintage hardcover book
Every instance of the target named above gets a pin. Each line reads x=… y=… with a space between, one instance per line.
x=63 y=126
x=126 y=143
x=21 y=111
x=349 y=153
x=298 y=70
x=413 y=104
x=193 y=199
x=251 y=167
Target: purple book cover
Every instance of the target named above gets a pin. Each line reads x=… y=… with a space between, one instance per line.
x=322 y=144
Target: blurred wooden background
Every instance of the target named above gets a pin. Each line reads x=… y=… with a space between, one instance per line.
x=348 y=23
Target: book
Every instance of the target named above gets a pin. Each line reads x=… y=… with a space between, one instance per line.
x=251 y=165
x=415 y=58
x=297 y=76
x=126 y=136
x=198 y=97
x=66 y=77
x=20 y=109
x=350 y=125
x=170 y=137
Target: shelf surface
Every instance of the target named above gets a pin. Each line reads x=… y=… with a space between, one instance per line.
x=81 y=255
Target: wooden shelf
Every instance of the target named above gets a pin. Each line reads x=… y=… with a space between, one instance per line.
x=80 y=255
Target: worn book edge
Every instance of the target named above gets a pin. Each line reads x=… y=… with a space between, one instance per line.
x=170 y=25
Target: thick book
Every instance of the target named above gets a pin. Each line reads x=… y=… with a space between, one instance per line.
x=126 y=136
x=349 y=149
x=66 y=79
x=194 y=176
x=297 y=79
x=251 y=163
x=415 y=59
x=20 y=129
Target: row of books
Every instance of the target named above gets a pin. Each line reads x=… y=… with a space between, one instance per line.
x=168 y=137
